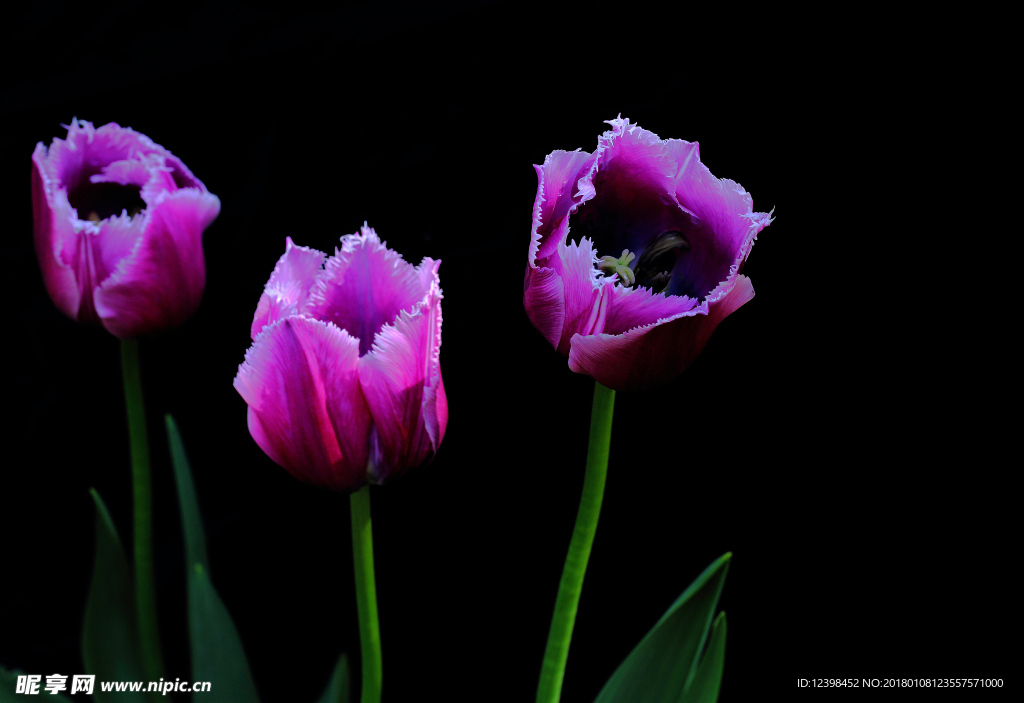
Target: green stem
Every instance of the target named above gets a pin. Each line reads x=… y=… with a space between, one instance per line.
x=366 y=594
x=557 y=651
x=145 y=588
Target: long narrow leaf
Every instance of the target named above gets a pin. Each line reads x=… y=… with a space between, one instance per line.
x=217 y=653
x=662 y=667
x=705 y=685
x=338 y=688
x=110 y=637
x=192 y=524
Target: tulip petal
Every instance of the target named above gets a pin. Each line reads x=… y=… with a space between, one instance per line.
x=401 y=381
x=557 y=194
x=544 y=300
x=300 y=379
x=160 y=284
x=726 y=224
x=364 y=286
x=629 y=308
x=559 y=305
x=657 y=353
x=582 y=282
x=129 y=172
x=55 y=239
x=287 y=291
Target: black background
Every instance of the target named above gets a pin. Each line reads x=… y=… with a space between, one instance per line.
x=831 y=435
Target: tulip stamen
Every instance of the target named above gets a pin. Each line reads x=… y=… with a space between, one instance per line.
x=620 y=266
x=94 y=216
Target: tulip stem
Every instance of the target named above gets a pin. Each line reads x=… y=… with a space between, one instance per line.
x=366 y=595
x=557 y=651
x=145 y=588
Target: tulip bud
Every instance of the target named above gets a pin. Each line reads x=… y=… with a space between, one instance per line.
x=343 y=380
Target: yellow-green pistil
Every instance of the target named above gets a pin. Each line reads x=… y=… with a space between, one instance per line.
x=620 y=266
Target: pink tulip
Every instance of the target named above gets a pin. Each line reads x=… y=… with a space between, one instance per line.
x=638 y=318
x=343 y=379
x=118 y=229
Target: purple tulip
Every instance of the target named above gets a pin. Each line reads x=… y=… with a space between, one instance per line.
x=639 y=318
x=118 y=229
x=343 y=379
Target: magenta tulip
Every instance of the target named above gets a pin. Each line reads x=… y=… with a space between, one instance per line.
x=343 y=379
x=118 y=229
x=638 y=318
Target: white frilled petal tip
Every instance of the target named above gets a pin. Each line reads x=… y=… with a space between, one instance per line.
x=365 y=285
x=287 y=291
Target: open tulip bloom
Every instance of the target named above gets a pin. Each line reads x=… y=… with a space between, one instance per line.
x=119 y=222
x=635 y=299
x=343 y=382
x=639 y=317
x=118 y=225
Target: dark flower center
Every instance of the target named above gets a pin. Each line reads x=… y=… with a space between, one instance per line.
x=98 y=201
x=654 y=267
x=634 y=208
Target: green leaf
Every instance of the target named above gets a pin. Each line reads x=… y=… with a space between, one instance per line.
x=708 y=679
x=110 y=637
x=217 y=654
x=338 y=688
x=192 y=524
x=664 y=667
x=9 y=684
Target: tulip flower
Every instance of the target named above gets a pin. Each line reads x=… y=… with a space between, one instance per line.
x=119 y=222
x=631 y=319
x=343 y=380
x=638 y=318
x=343 y=383
x=118 y=229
